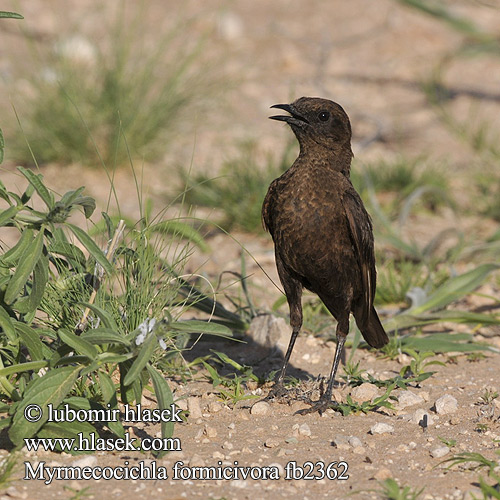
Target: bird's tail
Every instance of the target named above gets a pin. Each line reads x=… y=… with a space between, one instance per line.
x=373 y=331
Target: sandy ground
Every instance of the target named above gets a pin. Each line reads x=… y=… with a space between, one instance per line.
x=372 y=57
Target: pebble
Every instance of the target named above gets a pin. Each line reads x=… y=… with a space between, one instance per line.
x=383 y=474
x=364 y=392
x=440 y=452
x=446 y=404
x=215 y=407
x=14 y=493
x=304 y=430
x=88 y=461
x=381 y=428
x=408 y=398
x=291 y=440
x=355 y=441
x=210 y=431
x=341 y=442
x=260 y=408
x=194 y=407
x=418 y=417
x=227 y=445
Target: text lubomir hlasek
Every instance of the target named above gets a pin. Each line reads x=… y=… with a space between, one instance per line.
x=130 y=414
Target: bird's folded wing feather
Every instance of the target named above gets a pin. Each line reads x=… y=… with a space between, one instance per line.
x=360 y=227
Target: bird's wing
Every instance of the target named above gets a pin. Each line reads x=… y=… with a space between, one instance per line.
x=360 y=227
x=268 y=206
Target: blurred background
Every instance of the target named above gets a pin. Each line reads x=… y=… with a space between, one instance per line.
x=170 y=99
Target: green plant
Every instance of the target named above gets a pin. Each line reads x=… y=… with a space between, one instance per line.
x=417 y=366
x=7 y=465
x=88 y=97
x=448 y=442
x=351 y=406
x=476 y=461
x=391 y=490
x=240 y=188
x=234 y=391
x=70 y=322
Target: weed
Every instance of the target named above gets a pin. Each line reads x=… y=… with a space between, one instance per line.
x=7 y=465
x=488 y=396
x=476 y=461
x=448 y=442
x=89 y=97
x=351 y=406
x=241 y=187
x=391 y=490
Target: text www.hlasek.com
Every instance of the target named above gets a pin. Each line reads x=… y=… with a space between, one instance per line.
x=93 y=443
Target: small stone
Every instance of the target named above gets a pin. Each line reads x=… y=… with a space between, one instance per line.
x=215 y=407
x=260 y=408
x=272 y=442
x=359 y=450
x=422 y=418
x=227 y=445
x=341 y=442
x=304 y=430
x=218 y=455
x=196 y=461
x=182 y=404
x=454 y=421
x=238 y=483
x=381 y=428
x=440 y=452
x=88 y=461
x=446 y=404
x=14 y=493
x=383 y=474
x=364 y=392
x=408 y=398
x=194 y=408
x=291 y=440
x=210 y=431
x=355 y=441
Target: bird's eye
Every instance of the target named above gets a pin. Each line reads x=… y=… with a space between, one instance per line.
x=323 y=116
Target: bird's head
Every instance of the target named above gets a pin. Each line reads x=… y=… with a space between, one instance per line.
x=317 y=121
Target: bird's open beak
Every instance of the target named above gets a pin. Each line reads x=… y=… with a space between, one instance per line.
x=293 y=118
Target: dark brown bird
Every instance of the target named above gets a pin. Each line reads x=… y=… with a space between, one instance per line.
x=321 y=231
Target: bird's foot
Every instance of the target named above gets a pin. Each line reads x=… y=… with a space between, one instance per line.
x=319 y=406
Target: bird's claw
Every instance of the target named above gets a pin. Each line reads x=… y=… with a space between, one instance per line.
x=277 y=393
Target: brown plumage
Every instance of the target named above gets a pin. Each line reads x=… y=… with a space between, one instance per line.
x=321 y=231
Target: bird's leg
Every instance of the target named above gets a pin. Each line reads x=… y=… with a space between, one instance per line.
x=278 y=390
x=325 y=401
x=293 y=292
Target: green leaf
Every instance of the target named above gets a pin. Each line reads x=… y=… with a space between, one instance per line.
x=10 y=15
x=40 y=278
x=106 y=318
x=36 y=181
x=88 y=204
x=8 y=214
x=197 y=326
x=52 y=388
x=100 y=336
x=439 y=344
x=77 y=343
x=23 y=367
x=142 y=359
x=24 y=268
x=455 y=288
x=92 y=247
x=31 y=339
x=10 y=257
x=165 y=400
x=7 y=325
x=72 y=253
